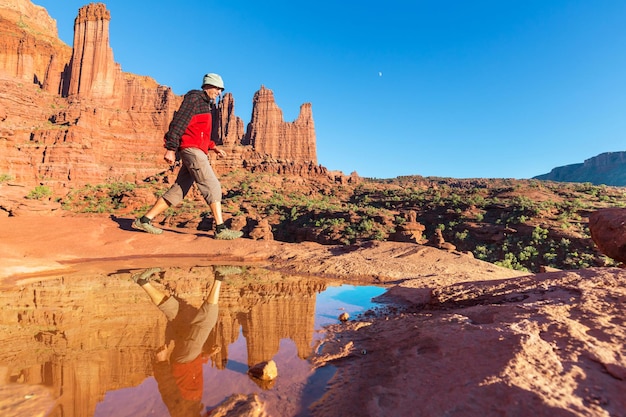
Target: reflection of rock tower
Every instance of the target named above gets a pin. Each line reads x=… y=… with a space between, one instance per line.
x=93 y=71
x=281 y=318
x=267 y=314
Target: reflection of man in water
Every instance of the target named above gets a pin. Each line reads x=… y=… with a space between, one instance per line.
x=178 y=369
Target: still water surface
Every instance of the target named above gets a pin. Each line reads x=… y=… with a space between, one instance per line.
x=91 y=340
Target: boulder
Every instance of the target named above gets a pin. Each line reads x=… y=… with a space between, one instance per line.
x=608 y=231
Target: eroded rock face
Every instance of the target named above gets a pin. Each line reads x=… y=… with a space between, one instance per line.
x=72 y=116
x=31 y=51
x=231 y=126
x=70 y=143
x=410 y=231
x=30 y=14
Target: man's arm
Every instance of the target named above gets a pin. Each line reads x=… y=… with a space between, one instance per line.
x=180 y=121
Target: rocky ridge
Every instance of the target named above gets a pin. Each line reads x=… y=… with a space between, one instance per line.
x=608 y=168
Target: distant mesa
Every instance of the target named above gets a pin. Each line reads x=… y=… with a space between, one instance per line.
x=71 y=116
x=605 y=169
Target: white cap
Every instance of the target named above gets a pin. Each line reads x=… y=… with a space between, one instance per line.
x=213 y=79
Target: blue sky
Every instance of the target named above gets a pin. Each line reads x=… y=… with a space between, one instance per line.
x=446 y=88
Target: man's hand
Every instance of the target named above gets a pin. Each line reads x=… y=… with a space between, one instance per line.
x=170 y=157
x=219 y=152
x=162 y=354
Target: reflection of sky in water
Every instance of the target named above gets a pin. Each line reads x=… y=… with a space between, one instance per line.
x=345 y=298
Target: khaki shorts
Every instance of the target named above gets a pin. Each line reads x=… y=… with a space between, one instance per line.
x=196 y=168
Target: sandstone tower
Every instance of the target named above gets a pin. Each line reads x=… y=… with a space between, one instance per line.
x=93 y=71
x=269 y=134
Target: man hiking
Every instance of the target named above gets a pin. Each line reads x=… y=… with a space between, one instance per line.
x=191 y=134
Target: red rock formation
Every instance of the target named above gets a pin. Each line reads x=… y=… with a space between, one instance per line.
x=32 y=18
x=109 y=128
x=269 y=134
x=262 y=231
x=31 y=51
x=410 y=231
x=71 y=116
x=93 y=71
x=80 y=142
x=231 y=127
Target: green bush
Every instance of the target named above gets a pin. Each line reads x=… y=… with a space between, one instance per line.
x=40 y=191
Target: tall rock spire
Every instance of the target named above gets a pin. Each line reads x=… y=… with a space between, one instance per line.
x=269 y=134
x=93 y=71
x=230 y=126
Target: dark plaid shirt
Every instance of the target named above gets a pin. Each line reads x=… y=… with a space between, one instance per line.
x=192 y=122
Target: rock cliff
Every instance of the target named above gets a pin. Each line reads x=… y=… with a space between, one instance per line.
x=71 y=116
x=31 y=50
x=608 y=168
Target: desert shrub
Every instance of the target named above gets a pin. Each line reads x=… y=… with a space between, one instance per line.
x=528 y=253
x=101 y=198
x=462 y=235
x=400 y=220
x=39 y=192
x=510 y=261
x=550 y=257
x=481 y=252
x=539 y=234
x=578 y=260
x=293 y=215
x=365 y=226
x=325 y=223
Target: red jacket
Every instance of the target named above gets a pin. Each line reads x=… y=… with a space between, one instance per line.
x=192 y=125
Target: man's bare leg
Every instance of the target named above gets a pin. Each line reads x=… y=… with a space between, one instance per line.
x=221 y=232
x=216 y=210
x=143 y=280
x=159 y=207
x=214 y=292
x=156 y=295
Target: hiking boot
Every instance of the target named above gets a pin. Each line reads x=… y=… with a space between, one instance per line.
x=142 y=278
x=228 y=234
x=146 y=227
